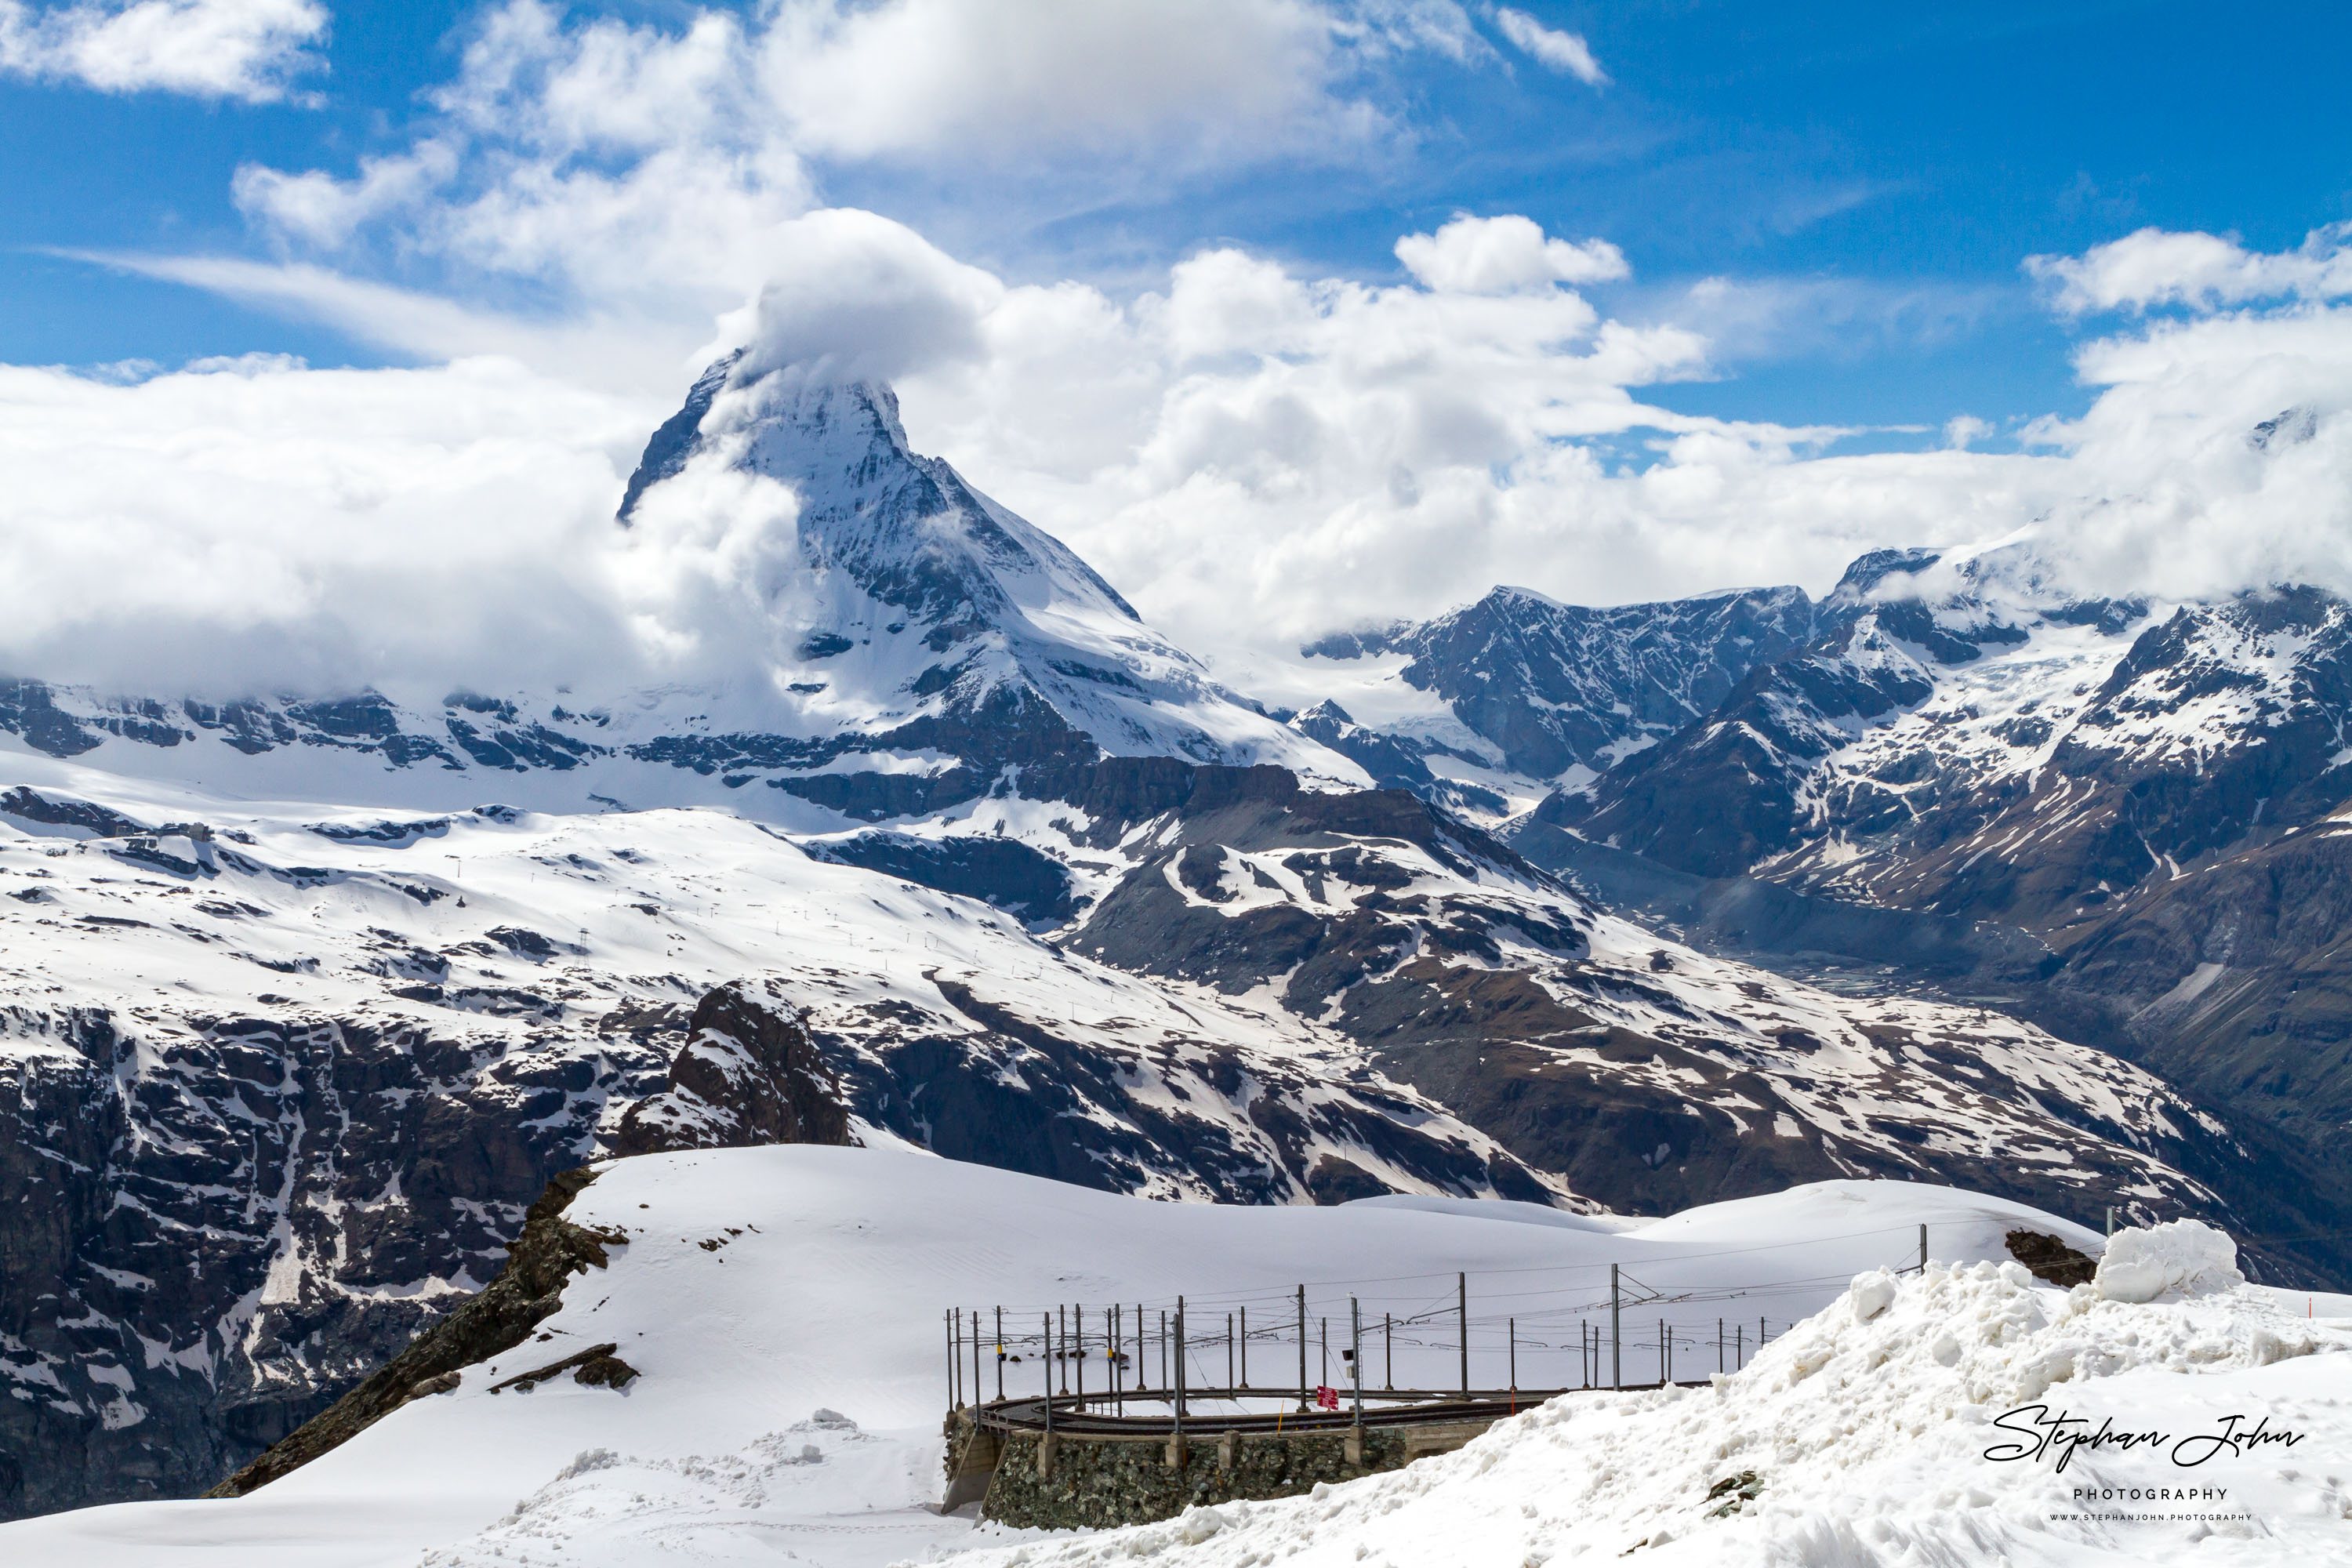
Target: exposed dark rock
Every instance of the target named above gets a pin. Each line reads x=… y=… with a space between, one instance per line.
x=530 y=1289
x=1023 y=882
x=146 y=1170
x=63 y=811
x=606 y=1370
x=676 y=439
x=2051 y=1260
x=596 y=1365
x=1550 y=685
x=28 y=709
x=748 y=1075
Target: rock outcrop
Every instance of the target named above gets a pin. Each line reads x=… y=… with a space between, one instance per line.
x=547 y=1253
x=747 y=1075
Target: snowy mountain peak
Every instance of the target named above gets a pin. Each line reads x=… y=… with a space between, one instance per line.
x=920 y=599
x=888 y=641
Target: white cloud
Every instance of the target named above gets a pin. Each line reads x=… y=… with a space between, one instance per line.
x=2154 y=268
x=249 y=50
x=616 y=351
x=1253 y=454
x=1964 y=430
x=1504 y=256
x=870 y=296
x=1550 y=47
x=578 y=170
x=621 y=170
x=1001 y=77
x=263 y=525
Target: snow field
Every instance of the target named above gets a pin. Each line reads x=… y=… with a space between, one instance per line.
x=762 y=1286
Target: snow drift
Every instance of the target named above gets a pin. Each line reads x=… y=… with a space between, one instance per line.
x=1916 y=1421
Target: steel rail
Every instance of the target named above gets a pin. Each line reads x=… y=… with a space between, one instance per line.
x=1075 y=1415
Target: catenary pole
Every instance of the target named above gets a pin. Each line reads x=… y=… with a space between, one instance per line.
x=1180 y=1366
x=1462 y=1324
x=1302 y=1347
x=1616 y=1342
x=1356 y=1354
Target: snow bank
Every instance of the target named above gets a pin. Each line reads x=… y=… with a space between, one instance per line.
x=1899 y=1425
x=2184 y=1257
x=760 y=1287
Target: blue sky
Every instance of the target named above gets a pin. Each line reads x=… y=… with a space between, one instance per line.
x=330 y=331
x=1881 y=172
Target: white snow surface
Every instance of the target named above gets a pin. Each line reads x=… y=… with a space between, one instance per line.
x=2181 y=1258
x=785 y=1306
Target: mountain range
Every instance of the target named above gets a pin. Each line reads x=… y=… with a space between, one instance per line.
x=1952 y=875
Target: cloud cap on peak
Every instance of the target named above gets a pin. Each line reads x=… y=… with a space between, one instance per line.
x=857 y=297
x=1506 y=255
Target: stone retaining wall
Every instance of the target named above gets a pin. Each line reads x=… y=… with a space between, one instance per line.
x=1098 y=1483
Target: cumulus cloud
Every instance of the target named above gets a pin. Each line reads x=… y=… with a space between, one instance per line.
x=249 y=50
x=602 y=169
x=916 y=77
x=258 y=524
x=1964 y=430
x=593 y=166
x=1504 y=256
x=1253 y=454
x=1550 y=47
x=2154 y=268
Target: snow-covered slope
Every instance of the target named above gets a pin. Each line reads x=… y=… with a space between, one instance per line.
x=346 y=1049
x=1649 y=1075
x=759 y=1288
x=277 y=1081
x=1536 y=691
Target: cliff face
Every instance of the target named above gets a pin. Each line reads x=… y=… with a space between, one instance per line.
x=547 y=1252
x=747 y=1075
x=212 y=1226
